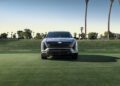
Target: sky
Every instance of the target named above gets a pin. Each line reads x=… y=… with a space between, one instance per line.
x=57 y=15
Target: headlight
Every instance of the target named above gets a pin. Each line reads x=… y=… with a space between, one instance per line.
x=72 y=44
x=44 y=46
x=48 y=44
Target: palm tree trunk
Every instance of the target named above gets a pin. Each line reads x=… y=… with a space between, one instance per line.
x=86 y=8
x=109 y=17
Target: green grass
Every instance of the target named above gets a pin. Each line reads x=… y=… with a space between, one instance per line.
x=33 y=46
x=19 y=46
x=88 y=70
x=98 y=65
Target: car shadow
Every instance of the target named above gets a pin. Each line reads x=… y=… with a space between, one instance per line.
x=87 y=58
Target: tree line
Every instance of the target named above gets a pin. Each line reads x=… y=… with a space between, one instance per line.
x=23 y=34
x=95 y=35
x=29 y=34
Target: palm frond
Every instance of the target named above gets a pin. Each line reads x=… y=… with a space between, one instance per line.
x=119 y=1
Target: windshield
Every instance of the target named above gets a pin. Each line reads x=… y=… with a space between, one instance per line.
x=59 y=35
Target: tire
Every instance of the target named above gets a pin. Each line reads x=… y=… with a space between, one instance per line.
x=43 y=56
x=75 y=56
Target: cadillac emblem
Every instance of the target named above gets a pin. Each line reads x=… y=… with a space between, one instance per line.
x=59 y=42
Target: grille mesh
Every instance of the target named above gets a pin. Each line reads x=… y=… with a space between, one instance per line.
x=57 y=45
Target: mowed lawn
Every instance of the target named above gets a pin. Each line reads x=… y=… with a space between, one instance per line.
x=95 y=66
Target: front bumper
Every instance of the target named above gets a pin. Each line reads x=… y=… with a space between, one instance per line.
x=60 y=51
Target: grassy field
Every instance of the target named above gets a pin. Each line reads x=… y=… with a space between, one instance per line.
x=98 y=65
x=33 y=46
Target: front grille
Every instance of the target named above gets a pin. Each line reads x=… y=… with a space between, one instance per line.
x=57 y=45
x=59 y=51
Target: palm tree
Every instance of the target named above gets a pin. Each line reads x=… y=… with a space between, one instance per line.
x=81 y=29
x=109 y=17
x=86 y=7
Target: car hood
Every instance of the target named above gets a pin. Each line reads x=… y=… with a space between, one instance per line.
x=59 y=39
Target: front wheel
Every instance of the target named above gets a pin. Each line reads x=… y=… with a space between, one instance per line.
x=43 y=56
x=75 y=56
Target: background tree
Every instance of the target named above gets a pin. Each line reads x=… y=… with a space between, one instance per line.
x=20 y=34
x=38 y=36
x=43 y=35
x=3 y=36
x=111 y=35
x=92 y=35
x=82 y=35
x=14 y=35
x=75 y=35
x=27 y=33
x=81 y=29
x=86 y=8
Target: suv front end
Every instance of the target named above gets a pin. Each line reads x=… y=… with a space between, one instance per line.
x=51 y=46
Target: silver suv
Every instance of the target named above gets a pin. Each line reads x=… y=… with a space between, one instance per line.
x=59 y=43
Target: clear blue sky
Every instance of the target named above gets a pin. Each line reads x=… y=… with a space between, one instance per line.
x=46 y=15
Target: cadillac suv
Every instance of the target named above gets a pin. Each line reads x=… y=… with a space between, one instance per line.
x=59 y=43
